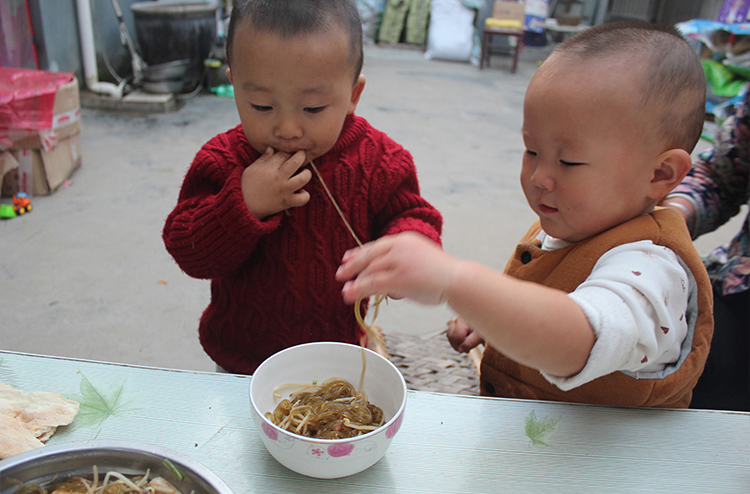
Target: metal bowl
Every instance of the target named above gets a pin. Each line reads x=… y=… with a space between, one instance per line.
x=163 y=87
x=166 y=71
x=63 y=460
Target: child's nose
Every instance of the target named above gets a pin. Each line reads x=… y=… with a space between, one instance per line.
x=288 y=128
x=542 y=179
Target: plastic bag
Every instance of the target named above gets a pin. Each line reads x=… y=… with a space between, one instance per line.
x=722 y=81
x=451 y=32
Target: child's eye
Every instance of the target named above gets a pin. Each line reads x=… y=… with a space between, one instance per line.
x=261 y=108
x=570 y=163
x=315 y=109
x=530 y=152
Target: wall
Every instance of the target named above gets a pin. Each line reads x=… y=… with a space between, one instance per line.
x=56 y=31
x=54 y=21
x=55 y=24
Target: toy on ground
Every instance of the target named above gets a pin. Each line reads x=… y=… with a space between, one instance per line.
x=7 y=212
x=21 y=203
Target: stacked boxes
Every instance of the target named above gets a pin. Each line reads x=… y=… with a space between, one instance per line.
x=40 y=125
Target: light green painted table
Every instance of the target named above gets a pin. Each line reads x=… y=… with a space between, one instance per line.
x=447 y=444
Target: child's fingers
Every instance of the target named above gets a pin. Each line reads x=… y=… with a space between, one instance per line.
x=349 y=254
x=271 y=156
x=298 y=199
x=473 y=340
x=356 y=260
x=292 y=164
x=457 y=332
x=299 y=180
x=365 y=285
x=462 y=337
x=268 y=153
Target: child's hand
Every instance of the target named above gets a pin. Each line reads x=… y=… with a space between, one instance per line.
x=270 y=185
x=406 y=265
x=461 y=337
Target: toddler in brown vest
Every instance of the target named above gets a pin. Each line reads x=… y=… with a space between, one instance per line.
x=605 y=299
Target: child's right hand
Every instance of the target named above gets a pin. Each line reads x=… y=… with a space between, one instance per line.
x=461 y=337
x=270 y=185
x=404 y=265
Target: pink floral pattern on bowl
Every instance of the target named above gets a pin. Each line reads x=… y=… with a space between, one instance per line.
x=270 y=431
x=394 y=427
x=339 y=450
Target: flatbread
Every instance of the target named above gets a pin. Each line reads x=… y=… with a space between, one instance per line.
x=27 y=420
x=15 y=438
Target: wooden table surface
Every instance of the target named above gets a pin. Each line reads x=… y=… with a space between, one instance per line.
x=447 y=444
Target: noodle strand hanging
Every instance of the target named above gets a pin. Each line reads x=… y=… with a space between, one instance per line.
x=373 y=332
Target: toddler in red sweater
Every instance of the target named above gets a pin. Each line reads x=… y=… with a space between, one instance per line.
x=253 y=219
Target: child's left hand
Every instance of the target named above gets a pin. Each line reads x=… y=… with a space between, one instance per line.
x=405 y=265
x=462 y=337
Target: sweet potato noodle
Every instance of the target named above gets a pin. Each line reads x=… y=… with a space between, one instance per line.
x=112 y=483
x=331 y=410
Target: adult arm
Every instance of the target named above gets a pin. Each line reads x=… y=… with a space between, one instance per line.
x=717 y=185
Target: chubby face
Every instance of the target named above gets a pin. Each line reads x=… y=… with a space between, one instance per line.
x=293 y=93
x=590 y=148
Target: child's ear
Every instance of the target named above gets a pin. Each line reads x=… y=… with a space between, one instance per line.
x=669 y=170
x=359 y=86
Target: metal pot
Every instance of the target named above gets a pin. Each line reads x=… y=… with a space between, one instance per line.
x=176 y=30
x=63 y=460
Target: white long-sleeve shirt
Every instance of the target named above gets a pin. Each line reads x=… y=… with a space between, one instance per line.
x=635 y=300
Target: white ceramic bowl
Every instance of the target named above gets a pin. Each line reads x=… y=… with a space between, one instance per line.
x=327 y=458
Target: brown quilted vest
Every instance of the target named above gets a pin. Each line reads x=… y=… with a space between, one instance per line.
x=567 y=268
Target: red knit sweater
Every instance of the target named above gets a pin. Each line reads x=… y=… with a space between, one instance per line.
x=272 y=281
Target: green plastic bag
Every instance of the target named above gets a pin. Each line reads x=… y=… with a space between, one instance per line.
x=722 y=81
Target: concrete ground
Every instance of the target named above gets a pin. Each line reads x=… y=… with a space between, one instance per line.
x=86 y=274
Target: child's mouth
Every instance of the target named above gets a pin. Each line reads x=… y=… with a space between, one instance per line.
x=544 y=209
x=286 y=151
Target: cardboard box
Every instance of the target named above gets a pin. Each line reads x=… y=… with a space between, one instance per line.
x=8 y=167
x=515 y=11
x=40 y=130
x=40 y=171
x=65 y=122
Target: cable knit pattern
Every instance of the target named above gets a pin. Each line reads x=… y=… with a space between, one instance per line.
x=272 y=281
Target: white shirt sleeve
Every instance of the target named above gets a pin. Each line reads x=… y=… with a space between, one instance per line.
x=635 y=299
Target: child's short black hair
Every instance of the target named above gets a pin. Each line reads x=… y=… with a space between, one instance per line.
x=674 y=77
x=292 y=17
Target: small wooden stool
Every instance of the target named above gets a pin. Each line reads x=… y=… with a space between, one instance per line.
x=488 y=46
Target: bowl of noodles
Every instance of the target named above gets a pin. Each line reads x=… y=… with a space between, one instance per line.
x=321 y=413
x=106 y=466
